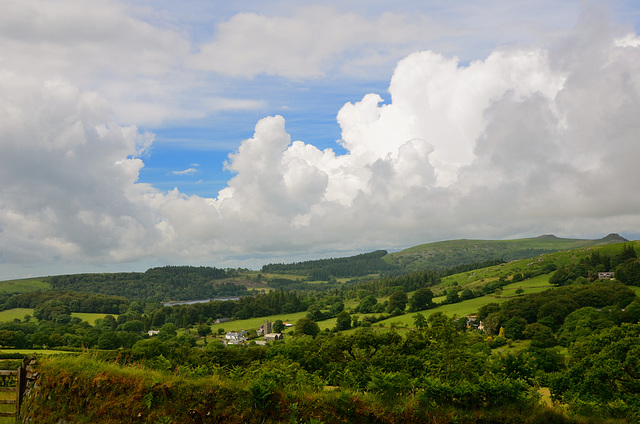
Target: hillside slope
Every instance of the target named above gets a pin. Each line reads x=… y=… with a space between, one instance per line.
x=446 y=254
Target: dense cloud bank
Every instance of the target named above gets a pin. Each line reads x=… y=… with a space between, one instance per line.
x=524 y=142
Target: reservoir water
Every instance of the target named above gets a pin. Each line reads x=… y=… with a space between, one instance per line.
x=191 y=302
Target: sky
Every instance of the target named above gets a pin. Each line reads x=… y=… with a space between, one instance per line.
x=141 y=133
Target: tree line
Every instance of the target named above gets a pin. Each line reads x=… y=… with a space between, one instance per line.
x=72 y=300
x=324 y=269
x=156 y=284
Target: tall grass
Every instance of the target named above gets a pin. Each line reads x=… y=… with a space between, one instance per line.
x=85 y=390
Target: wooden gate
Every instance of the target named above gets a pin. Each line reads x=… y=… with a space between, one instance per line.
x=14 y=381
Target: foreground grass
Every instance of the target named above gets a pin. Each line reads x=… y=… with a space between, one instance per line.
x=84 y=390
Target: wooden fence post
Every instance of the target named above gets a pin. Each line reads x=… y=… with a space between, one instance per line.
x=21 y=385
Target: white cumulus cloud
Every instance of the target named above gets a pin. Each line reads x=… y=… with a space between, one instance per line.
x=520 y=143
x=69 y=177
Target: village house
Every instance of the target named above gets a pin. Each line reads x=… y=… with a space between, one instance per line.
x=235 y=337
x=606 y=275
x=266 y=330
x=473 y=322
x=270 y=337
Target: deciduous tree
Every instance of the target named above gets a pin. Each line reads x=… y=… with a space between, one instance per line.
x=306 y=326
x=421 y=299
x=397 y=301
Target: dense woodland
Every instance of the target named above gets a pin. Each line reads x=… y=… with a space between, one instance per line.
x=73 y=301
x=169 y=283
x=324 y=269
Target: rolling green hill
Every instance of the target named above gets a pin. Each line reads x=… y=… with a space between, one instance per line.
x=436 y=256
x=447 y=254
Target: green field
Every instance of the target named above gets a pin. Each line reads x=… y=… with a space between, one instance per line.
x=15 y=313
x=532 y=285
x=458 y=309
x=254 y=323
x=23 y=286
x=90 y=318
x=293 y=277
x=19 y=313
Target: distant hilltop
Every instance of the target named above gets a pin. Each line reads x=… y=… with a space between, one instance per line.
x=611 y=238
x=614 y=238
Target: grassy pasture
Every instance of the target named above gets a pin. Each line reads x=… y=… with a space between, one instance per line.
x=459 y=309
x=532 y=285
x=540 y=281
x=90 y=318
x=11 y=314
x=23 y=286
x=19 y=313
x=480 y=277
x=292 y=277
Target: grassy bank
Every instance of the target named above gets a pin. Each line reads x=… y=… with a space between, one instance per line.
x=84 y=390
